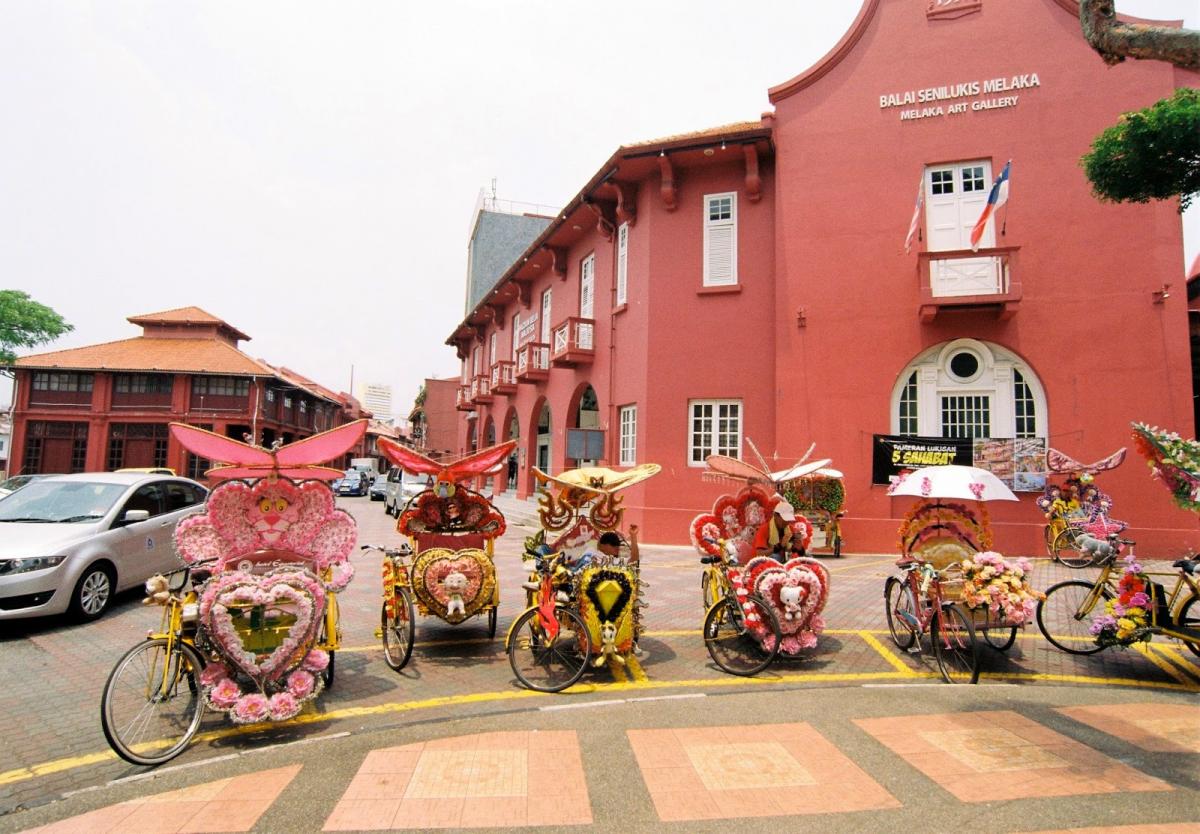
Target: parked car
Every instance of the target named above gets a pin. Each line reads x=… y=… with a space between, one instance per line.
x=68 y=543
x=148 y=470
x=16 y=482
x=353 y=483
x=378 y=490
x=401 y=488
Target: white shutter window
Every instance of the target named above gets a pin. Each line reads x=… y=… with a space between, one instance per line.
x=622 y=263
x=954 y=198
x=516 y=328
x=475 y=361
x=546 y=317
x=492 y=349
x=720 y=239
x=628 y=439
x=715 y=428
x=587 y=285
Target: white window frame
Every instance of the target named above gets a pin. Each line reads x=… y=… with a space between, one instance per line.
x=587 y=287
x=622 y=264
x=993 y=379
x=516 y=327
x=698 y=451
x=547 y=308
x=627 y=443
x=713 y=227
x=492 y=347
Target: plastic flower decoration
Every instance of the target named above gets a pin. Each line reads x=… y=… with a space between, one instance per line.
x=1002 y=587
x=1126 y=618
x=1174 y=460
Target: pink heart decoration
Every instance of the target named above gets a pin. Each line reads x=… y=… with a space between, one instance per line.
x=295 y=592
x=794 y=594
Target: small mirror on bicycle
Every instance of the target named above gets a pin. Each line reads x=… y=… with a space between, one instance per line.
x=178 y=580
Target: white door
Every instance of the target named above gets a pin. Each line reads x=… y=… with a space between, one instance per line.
x=587 y=281
x=955 y=196
x=545 y=317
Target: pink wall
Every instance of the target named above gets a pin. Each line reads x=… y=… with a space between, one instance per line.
x=1087 y=324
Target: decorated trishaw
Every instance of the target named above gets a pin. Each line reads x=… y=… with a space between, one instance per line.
x=820 y=496
x=250 y=622
x=951 y=583
x=584 y=604
x=446 y=568
x=1078 y=525
x=763 y=595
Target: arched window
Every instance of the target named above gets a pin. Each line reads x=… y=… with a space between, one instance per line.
x=968 y=388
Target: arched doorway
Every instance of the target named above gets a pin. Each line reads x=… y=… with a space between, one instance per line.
x=542 y=433
x=513 y=433
x=489 y=433
x=586 y=415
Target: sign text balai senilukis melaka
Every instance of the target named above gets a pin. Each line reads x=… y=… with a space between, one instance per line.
x=947 y=100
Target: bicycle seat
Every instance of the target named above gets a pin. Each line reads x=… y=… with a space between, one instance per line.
x=1188 y=565
x=710 y=560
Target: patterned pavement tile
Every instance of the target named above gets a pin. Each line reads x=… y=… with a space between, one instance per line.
x=491 y=780
x=991 y=756
x=760 y=770
x=1160 y=828
x=225 y=805
x=1158 y=728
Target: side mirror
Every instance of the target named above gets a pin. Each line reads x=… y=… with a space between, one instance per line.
x=134 y=516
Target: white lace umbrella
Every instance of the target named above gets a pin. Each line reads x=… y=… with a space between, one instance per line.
x=966 y=482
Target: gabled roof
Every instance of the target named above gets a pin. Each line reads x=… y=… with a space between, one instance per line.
x=185 y=316
x=722 y=130
x=146 y=353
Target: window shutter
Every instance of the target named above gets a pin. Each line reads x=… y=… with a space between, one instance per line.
x=546 y=316
x=622 y=262
x=586 y=287
x=720 y=239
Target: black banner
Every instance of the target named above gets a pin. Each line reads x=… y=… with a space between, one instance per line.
x=893 y=454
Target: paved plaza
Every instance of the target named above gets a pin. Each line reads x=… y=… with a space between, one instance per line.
x=858 y=732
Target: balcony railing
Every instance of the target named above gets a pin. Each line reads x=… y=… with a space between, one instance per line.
x=504 y=377
x=963 y=280
x=462 y=400
x=533 y=362
x=573 y=342
x=481 y=389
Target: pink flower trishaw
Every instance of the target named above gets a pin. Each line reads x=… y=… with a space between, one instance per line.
x=250 y=623
x=445 y=568
x=758 y=606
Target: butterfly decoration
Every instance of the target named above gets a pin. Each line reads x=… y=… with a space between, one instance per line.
x=447 y=475
x=1056 y=461
x=726 y=468
x=599 y=480
x=297 y=461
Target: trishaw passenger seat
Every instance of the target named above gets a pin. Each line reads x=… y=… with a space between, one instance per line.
x=452 y=541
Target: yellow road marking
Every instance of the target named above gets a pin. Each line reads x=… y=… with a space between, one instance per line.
x=887 y=654
x=1177 y=659
x=1145 y=651
x=71 y=763
x=858 y=565
x=636 y=670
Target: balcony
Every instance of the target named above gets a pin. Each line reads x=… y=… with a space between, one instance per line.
x=462 y=400
x=533 y=362
x=966 y=281
x=573 y=342
x=504 y=378
x=481 y=390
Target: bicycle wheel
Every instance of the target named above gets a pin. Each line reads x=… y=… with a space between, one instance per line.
x=1049 y=535
x=549 y=666
x=710 y=590
x=954 y=646
x=1189 y=620
x=1065 y=616
x=734 y=647
x=398 y=630
x=901 y=618
x=152 y=703
x=1066 y=550
x=1000 y=639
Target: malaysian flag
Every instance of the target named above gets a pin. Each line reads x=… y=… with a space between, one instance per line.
x=915 y=223
x=997 y=198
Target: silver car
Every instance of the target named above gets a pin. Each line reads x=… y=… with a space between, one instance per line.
x=68 y=543
x=402 y=487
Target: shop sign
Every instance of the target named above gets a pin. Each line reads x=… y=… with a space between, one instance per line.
x=1020 y=463
x=960 y=96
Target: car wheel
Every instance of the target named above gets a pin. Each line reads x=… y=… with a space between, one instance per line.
x=93 y=593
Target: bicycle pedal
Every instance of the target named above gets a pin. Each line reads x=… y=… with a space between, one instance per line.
x=914 y=650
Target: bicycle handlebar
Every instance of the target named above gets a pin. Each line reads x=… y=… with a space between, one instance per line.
x=403 y=550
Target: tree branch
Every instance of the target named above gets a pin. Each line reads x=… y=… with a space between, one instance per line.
x=1116 y=41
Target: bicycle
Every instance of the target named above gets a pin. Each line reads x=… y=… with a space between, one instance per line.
x=397 y=618
x=1070 y=605
x=915 y=604
x=730 y=637
x=548 y=645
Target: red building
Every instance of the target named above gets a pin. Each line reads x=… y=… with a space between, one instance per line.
x=434 y=419
x=751 y=282
x=107 y=406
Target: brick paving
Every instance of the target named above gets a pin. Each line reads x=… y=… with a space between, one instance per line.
x=54 y=672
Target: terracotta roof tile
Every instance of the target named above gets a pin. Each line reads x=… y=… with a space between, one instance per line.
x=185 y=315
x=736 y=127
x=142 y=353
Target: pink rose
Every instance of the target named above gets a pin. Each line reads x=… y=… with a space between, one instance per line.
x=301 y=684
x=283 y=706
x=251 y=708
x=225 y=694
x=213 y=673
x=316 y=661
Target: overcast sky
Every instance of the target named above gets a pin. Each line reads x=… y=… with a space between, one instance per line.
x=307 y=171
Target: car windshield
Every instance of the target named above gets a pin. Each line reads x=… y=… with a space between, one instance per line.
x=381 y=479
x=15 y=482
x=351 y=475
x=413 y=478
x=61 y=501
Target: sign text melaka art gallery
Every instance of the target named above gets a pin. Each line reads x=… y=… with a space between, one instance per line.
x=946 y=99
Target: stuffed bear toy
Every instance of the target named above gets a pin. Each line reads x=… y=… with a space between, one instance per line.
x=455 y=583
